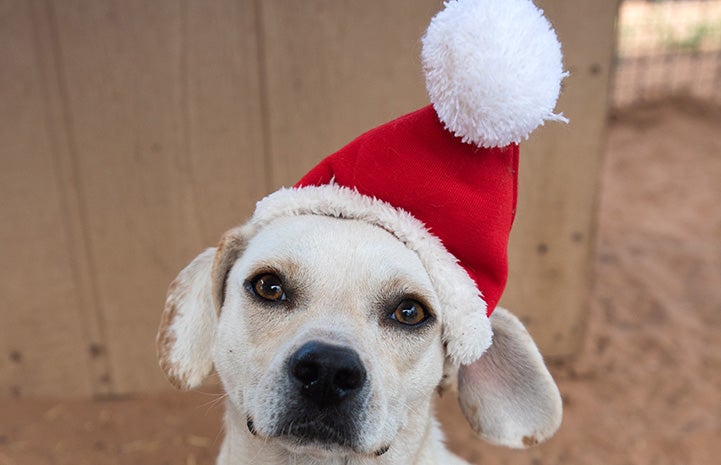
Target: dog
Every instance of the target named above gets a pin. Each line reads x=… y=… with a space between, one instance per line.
x=331 y=341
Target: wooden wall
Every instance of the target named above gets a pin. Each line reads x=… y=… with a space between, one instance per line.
x=133 y=133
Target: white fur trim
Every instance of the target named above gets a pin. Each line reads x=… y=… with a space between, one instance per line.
x=466 y=328
x=493 y=69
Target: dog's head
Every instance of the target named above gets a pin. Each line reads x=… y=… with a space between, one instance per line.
x=330 y=336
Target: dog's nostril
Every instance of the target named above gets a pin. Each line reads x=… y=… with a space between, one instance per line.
x=306 y=371
x=349 y=378
x=327 y=374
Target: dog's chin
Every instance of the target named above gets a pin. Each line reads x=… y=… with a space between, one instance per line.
x=323 y=450
x=319 y=441
x=314 y=449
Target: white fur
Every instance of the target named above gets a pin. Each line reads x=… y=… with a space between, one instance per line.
x=493 y=69
x=467 y=330
x=343 y=270
x=342 y=267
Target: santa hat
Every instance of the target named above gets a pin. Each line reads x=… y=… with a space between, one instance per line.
x=443 y=179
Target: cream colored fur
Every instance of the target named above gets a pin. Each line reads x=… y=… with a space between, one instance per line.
x=342 y=274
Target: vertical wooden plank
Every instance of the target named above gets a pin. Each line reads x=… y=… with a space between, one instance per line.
x=43 y=347
x=168 y=143
x=553 y=239
x=223 y=112
x=126 y=126
x=60 y=124
x=334 y=69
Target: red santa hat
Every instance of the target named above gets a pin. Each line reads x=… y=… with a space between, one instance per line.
x=443 y=179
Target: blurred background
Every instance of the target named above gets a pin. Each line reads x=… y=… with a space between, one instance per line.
x=134 y=133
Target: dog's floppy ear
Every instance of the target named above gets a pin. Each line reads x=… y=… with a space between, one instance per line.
x=188 y=324
x=508 y=395
x=192 y=307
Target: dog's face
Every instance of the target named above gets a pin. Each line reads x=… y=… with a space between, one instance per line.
x=329 y=336
x=330 y=339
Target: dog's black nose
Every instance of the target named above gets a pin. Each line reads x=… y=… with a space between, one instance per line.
x=327 y=374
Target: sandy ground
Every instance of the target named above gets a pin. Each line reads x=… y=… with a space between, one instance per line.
x=645 y=390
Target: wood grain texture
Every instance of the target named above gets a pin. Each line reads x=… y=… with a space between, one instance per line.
x=161 y=94
x=43 y=345
x=553 y=238
x=335 y=69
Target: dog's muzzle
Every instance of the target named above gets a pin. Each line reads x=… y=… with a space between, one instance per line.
x=326 y=395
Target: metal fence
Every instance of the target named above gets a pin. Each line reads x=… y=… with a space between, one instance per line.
x=667 y=48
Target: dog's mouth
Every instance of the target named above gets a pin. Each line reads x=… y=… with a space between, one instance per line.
x=313 y=436
x=316 y=435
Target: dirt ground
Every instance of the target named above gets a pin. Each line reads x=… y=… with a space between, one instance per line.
x=645 y=390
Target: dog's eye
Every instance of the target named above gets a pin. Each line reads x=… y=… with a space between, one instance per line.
x=409 y=312
x=269 y=287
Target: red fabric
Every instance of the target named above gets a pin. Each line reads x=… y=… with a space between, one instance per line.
x=465 y=195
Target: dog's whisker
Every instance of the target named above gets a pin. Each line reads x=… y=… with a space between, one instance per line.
x=214 y=402
x=260 y=450
x=221 y=433
x=206 y=393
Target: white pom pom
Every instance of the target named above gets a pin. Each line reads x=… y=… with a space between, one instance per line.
x=493 y=69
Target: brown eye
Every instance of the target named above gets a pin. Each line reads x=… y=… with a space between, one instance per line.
x=268 y=287
x=409 y=312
